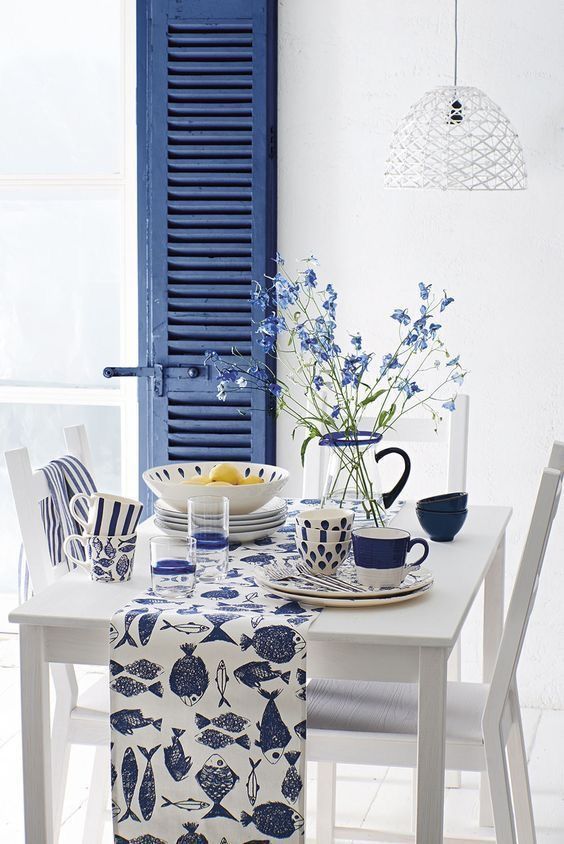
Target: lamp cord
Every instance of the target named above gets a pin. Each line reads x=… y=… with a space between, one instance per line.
x=455 y=42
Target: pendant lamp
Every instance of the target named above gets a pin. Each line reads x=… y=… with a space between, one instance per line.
x=455 y=138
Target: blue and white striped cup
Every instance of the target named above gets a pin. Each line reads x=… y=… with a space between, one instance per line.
x=105 y=514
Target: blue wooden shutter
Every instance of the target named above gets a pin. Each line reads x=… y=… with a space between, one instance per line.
x=207 y=218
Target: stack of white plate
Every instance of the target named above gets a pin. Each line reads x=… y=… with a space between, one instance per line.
x=243 y=528
x=319 y=591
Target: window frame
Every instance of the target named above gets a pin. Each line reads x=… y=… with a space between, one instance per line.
x=124 y=396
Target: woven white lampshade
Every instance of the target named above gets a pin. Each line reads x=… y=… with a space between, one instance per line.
x=456 y=138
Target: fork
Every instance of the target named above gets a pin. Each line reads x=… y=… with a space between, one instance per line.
x=333 y=581
x=275 y=572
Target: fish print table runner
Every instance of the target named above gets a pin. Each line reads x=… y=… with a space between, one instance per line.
x=208 y=712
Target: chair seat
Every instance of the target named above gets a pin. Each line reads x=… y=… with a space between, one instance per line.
x=391 y=708
x=95 y=700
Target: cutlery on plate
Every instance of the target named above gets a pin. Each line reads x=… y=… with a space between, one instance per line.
x=287 y=575
x=333 y=580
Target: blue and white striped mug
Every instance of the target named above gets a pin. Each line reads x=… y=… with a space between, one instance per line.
x=104 y=514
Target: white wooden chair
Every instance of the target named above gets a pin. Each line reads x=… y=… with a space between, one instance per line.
x=453 y=433
x=484 y=730
x=76 y=719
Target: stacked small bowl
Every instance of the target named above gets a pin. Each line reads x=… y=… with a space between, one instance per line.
x=323 y=538
x=442 y=516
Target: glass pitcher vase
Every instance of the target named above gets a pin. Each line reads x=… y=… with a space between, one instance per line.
x=352 y=478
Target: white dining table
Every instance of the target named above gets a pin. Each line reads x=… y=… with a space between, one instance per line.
x=68 y=622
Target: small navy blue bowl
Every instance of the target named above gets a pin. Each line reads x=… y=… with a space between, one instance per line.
x=441 y=527
x=448 y=503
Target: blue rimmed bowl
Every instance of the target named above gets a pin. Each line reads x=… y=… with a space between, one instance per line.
x=450 y=502
x=323 y=557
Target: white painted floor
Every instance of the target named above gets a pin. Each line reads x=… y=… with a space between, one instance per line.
x=367 y=797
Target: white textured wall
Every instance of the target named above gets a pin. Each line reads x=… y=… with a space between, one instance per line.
x=349 y=70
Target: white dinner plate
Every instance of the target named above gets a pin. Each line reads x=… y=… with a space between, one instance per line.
x=275 y=518
x=270 y=525
x=243 y=538
x=412 y=583
x=272 y=508
x=259 y=526
x=358 y=603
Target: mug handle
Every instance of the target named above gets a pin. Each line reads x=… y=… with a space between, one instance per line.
x=72 y=509
x=388 y=498
x=423 y=557
x=72 y=538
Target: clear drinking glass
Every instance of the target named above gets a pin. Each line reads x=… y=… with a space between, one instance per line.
x=173 y=566
x=208 y=524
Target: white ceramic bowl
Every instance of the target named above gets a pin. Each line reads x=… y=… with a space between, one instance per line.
x=167 y=482
x=323 y=557
x=326 y=518
x=316 y=535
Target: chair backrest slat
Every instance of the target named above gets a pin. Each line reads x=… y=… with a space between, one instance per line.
x=453 y=431
x=526 y=582
x=29 y=488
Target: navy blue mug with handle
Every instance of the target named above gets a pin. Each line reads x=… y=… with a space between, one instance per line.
x=380 y=555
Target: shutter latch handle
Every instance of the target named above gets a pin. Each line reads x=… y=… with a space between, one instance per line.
x=155 y=372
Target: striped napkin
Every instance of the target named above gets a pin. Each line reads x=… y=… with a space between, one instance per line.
x=65 y=477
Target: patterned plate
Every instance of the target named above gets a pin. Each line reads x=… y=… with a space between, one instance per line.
x=412 y=583
x=359 y=603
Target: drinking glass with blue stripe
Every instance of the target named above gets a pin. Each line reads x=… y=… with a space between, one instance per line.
x=208 y=524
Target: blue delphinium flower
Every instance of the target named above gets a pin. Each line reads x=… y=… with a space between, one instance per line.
x=231 y=374
x=356 y=340
x=401 y=316
x=410 y=388
x=318 y=382
x=432 y=329
x=275 y=389
x=310 y=278
x=458 y=378
x=287 y=292
x=445 y=301
x=335 y=412
x=453 y=361
x=279 y=259
x=389 y=362
x=254 y=371
x=424 y=290
x=329 y=303
x=260 y=296
x=354 y=367
x=449 y=405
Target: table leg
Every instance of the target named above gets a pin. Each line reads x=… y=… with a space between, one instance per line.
x=38 y=804
x=431 y=739
x=494 y=589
